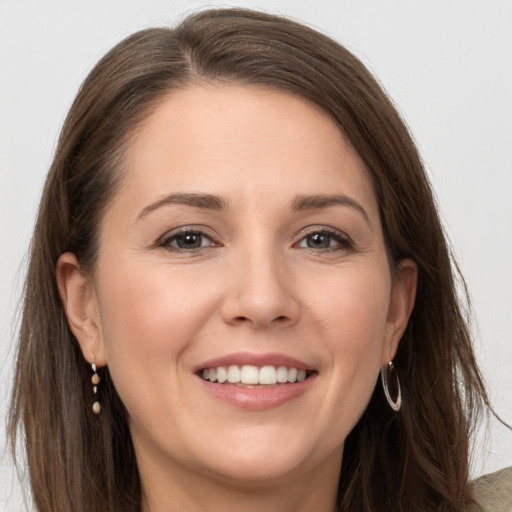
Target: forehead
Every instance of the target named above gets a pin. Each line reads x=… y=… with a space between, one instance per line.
x=243 y=140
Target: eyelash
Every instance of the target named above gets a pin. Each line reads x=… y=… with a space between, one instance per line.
x=343 y=242
x=167 y=240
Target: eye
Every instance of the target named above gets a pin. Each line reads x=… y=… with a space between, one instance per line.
x=325 y=240
x=186 y=240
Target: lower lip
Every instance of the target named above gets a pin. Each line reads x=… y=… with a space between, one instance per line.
x=257 y=398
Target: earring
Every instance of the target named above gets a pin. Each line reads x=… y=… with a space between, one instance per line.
x=388 y=373
x=95 y=379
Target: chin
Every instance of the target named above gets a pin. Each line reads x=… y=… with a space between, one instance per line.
x=256 y=471
x=258 y=460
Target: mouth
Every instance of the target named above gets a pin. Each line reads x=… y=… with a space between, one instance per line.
x=251 y=376
x=256 y=381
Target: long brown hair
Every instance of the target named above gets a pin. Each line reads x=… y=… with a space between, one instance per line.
x=416 y=459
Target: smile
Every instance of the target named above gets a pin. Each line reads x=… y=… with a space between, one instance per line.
x=252 y=375
x=256 y=382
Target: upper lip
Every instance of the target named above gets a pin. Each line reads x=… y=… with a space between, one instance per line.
x=249 y=358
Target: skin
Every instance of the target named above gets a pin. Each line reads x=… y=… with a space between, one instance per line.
x=154 y=313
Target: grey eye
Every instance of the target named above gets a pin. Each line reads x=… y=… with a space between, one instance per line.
x=323 y=239
x=186 y=240
x=319 y=241
x=189 y=240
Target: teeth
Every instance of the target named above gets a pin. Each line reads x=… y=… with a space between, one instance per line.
x=233 y=374
x=252 y=375
x=222 y=374
x=267 y=375
x=282 y=374
x=249 y=374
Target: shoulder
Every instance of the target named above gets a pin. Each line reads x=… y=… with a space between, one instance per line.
x=493 y=493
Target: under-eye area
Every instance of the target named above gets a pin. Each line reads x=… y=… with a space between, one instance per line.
x=250 y=375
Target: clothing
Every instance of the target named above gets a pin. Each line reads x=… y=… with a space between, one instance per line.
x=493 y=492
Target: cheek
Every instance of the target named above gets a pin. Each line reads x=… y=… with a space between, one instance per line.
x=351 y=323
x=149 y=315
x=351 y=307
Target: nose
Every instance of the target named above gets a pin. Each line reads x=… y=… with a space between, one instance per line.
x=260 y=292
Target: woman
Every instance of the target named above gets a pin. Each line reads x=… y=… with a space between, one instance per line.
x=236 y=238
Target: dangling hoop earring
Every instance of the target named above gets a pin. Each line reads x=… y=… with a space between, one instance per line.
x=387 y=372
x=95 y=379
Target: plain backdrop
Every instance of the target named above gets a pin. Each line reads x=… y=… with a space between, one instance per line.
x=446 y=64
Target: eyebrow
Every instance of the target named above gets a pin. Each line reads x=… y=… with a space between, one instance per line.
x=216 y=203
x=204 y=201
x=315 y=202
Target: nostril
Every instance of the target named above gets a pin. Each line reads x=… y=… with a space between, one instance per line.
x=244 y=319
x=240 y=320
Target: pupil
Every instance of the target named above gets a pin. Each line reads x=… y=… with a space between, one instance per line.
x=318 y=241
x=189 y=241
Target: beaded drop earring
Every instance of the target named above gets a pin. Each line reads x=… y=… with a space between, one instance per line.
x=95 y=379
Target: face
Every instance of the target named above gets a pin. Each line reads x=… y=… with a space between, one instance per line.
x=244 y=243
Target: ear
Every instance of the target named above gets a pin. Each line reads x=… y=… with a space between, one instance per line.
x=403 y=295
x=81 y=307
